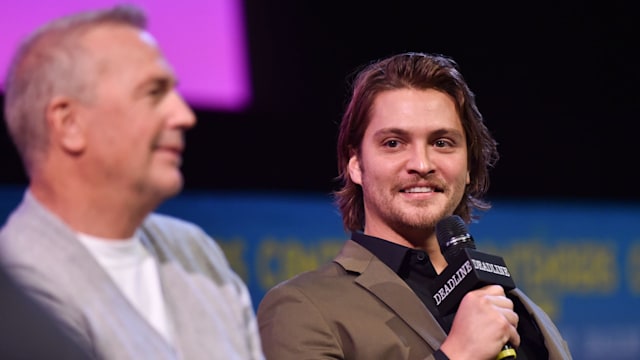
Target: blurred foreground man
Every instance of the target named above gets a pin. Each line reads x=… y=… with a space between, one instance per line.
x=92 y=107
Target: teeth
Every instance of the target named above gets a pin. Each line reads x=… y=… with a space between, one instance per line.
x=419 y=190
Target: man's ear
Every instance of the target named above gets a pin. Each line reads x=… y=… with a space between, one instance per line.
x=67 y=127
x=355 y=170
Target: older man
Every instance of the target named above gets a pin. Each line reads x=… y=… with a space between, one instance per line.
x=92 y=107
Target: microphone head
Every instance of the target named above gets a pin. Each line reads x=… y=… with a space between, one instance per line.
x=453 y=236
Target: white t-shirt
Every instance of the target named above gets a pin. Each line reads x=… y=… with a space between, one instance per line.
x=135 y=272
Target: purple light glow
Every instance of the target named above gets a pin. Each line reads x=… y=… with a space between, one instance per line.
x=204 y=41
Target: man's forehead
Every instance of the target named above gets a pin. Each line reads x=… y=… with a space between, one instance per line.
x=130 y=52
x=118 y=40
x=119 y=33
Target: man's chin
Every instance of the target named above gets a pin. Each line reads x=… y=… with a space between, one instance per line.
x=169 y=186
x=426 y=219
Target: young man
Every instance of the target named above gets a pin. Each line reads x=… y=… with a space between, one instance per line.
x=412 y=150
x=92 y=107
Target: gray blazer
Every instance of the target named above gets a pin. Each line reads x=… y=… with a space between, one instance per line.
x=357 y=308
x=208 y=304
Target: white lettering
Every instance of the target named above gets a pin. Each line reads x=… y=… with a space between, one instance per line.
x=489 y=267
x=452 y=282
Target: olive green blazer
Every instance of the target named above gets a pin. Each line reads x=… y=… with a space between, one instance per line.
x=357 y=308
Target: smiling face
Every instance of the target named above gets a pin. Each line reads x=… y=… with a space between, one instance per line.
x=135 y=118
x=412 y=164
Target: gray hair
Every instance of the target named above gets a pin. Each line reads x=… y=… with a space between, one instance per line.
x=52 y=62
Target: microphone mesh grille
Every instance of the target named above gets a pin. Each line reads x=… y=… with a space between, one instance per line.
x=453 y=227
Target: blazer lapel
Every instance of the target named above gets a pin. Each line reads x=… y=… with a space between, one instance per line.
x=554 y=342
x=383 y=283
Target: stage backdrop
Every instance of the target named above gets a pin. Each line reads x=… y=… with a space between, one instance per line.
x=579 y=261
x=205 y=42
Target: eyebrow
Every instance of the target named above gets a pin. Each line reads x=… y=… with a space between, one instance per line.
x=163 y=81
x=390 y=131
x=450 y=132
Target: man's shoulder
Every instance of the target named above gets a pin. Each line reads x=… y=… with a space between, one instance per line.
x=327 y=289
x=159 y=219
x=327 y=278
x=167 y=226
x=33 y=235
x=27 y=215
x=178 y=234
x=182 y=240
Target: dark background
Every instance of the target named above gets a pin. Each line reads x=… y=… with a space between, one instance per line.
x=556 y=83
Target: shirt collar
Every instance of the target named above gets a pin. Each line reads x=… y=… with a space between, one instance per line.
x=391 y=254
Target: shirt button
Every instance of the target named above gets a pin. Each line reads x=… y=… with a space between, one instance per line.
x=421 y=256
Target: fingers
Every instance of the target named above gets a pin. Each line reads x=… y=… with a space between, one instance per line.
x=492 y=290
x=484 y=323
x=506 y=319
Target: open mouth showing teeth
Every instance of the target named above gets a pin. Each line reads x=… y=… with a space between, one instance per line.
x=422 y=189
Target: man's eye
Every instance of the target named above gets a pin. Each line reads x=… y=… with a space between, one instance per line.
x=157 y=91
x=391 y=143
x=441 y=143
x=159 y=88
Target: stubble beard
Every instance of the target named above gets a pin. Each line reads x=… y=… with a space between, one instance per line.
x=414 y=218
x=419 y=216
x=402 y=216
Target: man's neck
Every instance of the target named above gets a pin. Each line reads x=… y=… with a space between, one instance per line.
x=91 y=212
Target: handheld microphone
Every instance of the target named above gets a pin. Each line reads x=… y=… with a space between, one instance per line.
x=467 y=270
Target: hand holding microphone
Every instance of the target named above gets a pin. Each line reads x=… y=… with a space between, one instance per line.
x=474 y=284
x=485 y=316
